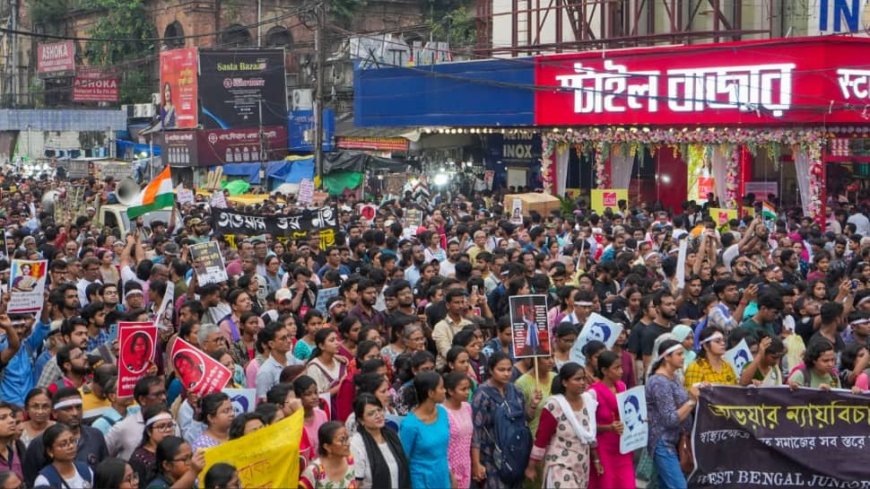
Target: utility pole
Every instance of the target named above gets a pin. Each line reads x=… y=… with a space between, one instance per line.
x=320 y=53
x=10 y=82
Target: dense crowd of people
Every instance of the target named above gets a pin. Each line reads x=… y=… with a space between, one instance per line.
x=407 y=377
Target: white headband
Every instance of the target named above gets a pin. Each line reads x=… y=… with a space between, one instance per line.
x=133 y=291
x=665 y=353
x=717 y=335
x=159 y=417
x=68 y=403
x=582 y=303
x=863 y=300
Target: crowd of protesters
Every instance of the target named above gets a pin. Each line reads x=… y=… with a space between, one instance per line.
x=415 y=351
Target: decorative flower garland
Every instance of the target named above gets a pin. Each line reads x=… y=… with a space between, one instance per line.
x=728 y=139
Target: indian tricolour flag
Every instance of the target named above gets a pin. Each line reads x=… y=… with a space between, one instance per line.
x=768 y=211
x=157 y=195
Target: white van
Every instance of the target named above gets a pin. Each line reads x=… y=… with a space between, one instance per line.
x=115 y=216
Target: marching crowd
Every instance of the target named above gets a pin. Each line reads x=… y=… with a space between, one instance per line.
x=407 y=377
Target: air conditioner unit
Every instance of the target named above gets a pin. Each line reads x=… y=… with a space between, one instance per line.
x=302 y=99
x=155 y=98
x=144 y=110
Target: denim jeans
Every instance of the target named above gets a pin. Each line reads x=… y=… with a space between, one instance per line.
x=667 y=464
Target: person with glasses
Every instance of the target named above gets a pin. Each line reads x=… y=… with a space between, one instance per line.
x=67 y=410
x=711 y=367
x=379 y=458
x=276 y=337
x=217 y=413
x=65 y=471
x=114 y=472
x=178 y=465
x=334 y=468
x=158 y=425
x=37 y=406
x=126 y=435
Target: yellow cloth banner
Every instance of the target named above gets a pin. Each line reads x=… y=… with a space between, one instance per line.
x=608 y=198
x=268 y=457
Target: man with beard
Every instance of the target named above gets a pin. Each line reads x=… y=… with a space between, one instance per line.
x=365 y=309
x=728 y=313
x=333 y=262
x=689 y=309
x=666 y=313
x=418 y=256
x=790 y=262
x=65 y=298
x=404 y=301
x=73 y=333
x=91 y=446
x=447 y=268
x=73 y=364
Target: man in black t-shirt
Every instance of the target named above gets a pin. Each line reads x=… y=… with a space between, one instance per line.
x=666 y=313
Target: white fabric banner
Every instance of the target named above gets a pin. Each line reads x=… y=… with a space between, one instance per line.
x=562 y=155
x=719 y=165
x=802 y=169
x=620 y=168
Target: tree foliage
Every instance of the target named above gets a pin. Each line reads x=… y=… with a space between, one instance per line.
x=453 y=21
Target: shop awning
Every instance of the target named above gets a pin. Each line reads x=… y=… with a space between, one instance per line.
x=356 y=161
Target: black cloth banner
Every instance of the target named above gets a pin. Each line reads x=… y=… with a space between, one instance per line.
x=772 y=437
x=321 y=223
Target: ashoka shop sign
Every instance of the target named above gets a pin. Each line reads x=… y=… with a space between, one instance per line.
x=803 y=81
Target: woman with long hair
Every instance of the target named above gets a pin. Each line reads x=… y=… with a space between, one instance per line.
x=669 y=410
x=311 y=324
x=114 y=472
x=433 y=250
x=60 y=445
x=222 y=476
x=178 y=466
x=496 y=393
x=566 y=335
x=334 y=466
x=379 y=458
x=425 y=434
x=618 y=468
x=458 y=387
x=305 y=389
x=710 y=366
x=230 y=326
x=565 y=439
x=217 y=413
x=326 y=366
x=158 y=425
x=410 y=338
x=37 y=406
x=245 y=349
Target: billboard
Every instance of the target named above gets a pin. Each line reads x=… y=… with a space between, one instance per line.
x=95 y=86
x=178 y=88
x=56 y=59
x=242 y=88
x=218 y=146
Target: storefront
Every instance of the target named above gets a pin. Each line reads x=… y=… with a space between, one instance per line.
x=673 y=123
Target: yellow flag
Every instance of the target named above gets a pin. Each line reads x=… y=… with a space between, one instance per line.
x=268 y=457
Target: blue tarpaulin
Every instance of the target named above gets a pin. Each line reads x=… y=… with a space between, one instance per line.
x=251 y=171
x=291 y=171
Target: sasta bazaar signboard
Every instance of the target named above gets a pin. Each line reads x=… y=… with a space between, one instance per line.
x=761 y=82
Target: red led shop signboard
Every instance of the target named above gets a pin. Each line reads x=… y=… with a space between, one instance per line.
x=784 y=81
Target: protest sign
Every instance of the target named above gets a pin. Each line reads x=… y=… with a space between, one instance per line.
x=602 y=199
x=243 y=400
x=681 y=263
x=208 y=262
x=27 y=284
x=597 y=328
x=198 y=372
x=268 y=457
x=632 y=412
x=218 y=200
x=163 y=319
x=775 y=437
x=738 y=357
x=137 y=343
x=306 y=192
x=517 y=211
x=413 y=218
x=323 y=296
x=184 y=196
x=530 y=335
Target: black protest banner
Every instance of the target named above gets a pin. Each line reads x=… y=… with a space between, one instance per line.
x=321 y=223
x=773 y=437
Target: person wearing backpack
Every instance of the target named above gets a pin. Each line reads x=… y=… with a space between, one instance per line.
x=64 y=471
x=502 y=442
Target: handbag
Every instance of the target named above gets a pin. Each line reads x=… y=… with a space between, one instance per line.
x=684 y=450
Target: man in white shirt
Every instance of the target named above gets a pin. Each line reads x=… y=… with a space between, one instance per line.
x=90 y=275
x=126 y=434
x=277 y=337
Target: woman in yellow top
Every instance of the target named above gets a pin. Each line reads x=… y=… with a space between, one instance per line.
x=711 y=367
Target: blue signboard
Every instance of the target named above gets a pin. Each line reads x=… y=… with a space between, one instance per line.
x=301 y=128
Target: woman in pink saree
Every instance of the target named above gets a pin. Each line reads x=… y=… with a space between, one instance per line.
x=618 y=469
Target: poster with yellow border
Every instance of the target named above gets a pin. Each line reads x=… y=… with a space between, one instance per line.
x=722 y=216
x=268 y=457
x=604 y=198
